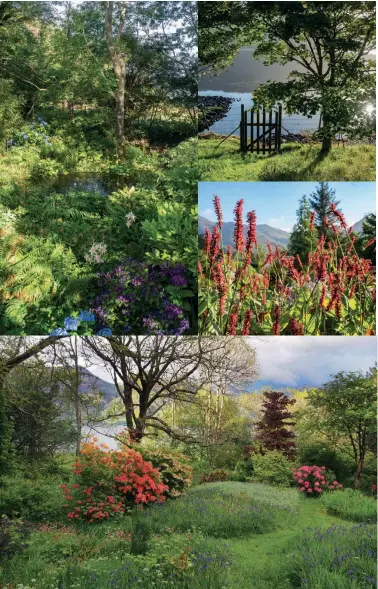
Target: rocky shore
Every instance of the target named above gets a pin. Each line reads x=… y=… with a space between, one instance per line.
x=212 y=109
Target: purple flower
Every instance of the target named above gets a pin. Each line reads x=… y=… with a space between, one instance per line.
x=178 y=280
x=173 y=311
x=71 y=323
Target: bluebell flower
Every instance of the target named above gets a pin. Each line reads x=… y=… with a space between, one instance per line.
x=105 y=332
x=71 y=323
x=86 y=316
x=59 y=331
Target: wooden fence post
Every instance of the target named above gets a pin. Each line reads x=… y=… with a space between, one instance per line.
x=242 y=146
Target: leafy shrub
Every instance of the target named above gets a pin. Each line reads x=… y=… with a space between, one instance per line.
x=175 y=471
x=320 y=453
x=172 y=235
x=339 y=557
x=213 y=477
x=110 y=483
x=273 y=468
x=31 y=499
x=350 y=504
x=315 y=479
x=181 y=171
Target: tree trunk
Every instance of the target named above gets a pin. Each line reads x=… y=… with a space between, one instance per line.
x=326 y=144
x=119 y=68
x=359 y=471
x=78 y=416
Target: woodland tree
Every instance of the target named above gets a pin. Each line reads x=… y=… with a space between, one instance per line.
x=303 y=238
x=347 y=407
x=152 y=372
x=329 y=42
x=321 y=200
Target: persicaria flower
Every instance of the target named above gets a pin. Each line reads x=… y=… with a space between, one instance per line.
x=276 y=320
x=218 y=210
x=312 y=219
x=247 y=322
x=238 y=229
x=232 y=322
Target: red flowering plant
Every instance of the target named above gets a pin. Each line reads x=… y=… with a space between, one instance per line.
x=173 y=466
x=108 y=483
x=314 y=480
x=246 y=291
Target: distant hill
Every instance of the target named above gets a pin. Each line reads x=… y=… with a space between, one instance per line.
x=357 y=227
x=264 y=233
x=91 y=384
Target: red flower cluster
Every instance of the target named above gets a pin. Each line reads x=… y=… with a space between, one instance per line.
x=314 y=479
x=111 y=482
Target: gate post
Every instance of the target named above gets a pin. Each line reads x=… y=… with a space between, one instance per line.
x=242 y=123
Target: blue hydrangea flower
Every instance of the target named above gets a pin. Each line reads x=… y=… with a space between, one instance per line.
x=71 y=323
x=105 y=332
x=59 y=331
x=86 y=316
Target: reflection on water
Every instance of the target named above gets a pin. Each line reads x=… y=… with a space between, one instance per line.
x=230 y=123
x=90 y=182
x=104 y=433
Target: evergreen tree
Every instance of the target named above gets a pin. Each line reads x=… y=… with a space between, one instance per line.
x=368 y=234
x=303 y=238
x=273 y=429
x=321 y=201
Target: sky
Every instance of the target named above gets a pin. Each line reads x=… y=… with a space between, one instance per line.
x=276 y=203
x=299 y=362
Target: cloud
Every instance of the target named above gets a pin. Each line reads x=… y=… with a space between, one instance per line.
x=208 y=213
x=310 y=361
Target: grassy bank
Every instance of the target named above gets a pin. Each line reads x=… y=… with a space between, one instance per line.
x=296 y=163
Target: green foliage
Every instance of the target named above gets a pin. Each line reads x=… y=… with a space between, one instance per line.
x=350 y=504
x=33 y=499
x=348 y=406
x=174 y=467
x=10 y=115
x=322 y=453
x=140 y=534
x=273 y=468
x=302 y=238
x=172 y=235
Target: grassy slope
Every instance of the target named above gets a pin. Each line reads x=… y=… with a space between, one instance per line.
x=258 y=559
x=296 y=163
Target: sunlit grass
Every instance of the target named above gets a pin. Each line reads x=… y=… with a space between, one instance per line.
x=296 y=163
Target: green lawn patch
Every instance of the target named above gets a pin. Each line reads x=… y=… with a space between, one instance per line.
x=296 y=163
x=351 y=505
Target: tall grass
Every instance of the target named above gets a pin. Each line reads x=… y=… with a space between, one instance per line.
x=340 y=556
x=224 y=510
x=350 y=504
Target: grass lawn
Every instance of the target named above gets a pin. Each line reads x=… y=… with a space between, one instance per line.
x=218 y=536
x=296 y=163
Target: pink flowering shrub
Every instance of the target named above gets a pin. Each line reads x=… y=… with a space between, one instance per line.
x=314 y=480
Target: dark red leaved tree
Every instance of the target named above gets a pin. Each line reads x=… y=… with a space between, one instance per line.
x=274 y=428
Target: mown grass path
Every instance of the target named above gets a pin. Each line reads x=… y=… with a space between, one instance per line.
x=258 y=561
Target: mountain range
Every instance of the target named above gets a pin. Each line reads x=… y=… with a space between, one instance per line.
x=265 y=233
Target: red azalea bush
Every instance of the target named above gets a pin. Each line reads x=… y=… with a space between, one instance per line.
x=111 y=482
x=174 y=467
x=315 y=479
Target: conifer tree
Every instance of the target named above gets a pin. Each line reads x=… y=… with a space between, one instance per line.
x=302 y=238
x=320 y=202
x=274 y=428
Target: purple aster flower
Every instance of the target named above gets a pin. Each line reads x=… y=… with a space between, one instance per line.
x=173 y=311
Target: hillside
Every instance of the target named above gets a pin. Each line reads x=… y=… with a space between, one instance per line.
x=264 y=233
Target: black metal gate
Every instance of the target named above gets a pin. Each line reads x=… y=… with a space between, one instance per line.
x=267 y=138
